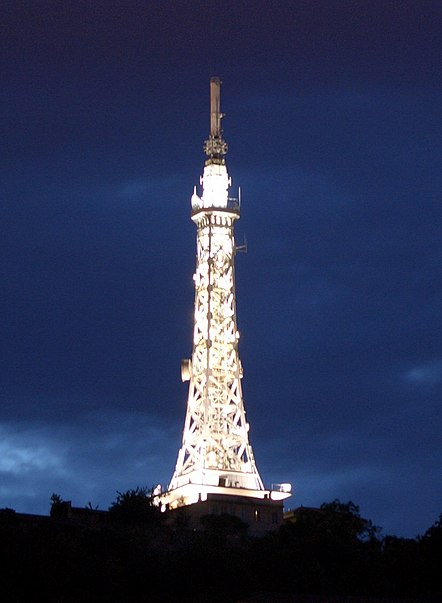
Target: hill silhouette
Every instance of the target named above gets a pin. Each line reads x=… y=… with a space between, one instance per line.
x=132 y=552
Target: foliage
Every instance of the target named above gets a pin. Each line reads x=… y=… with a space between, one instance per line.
x=434 y=534
x=431 y=557
x=333 y=523
x=90 y=507
x=59 y=507
x=8 y=512
x=326 y=553
x=8 y=516
x=135 y=506
x=342 y=521
x=328 y=550
x=56 y=499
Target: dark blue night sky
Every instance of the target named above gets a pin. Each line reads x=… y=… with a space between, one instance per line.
x=334 y=123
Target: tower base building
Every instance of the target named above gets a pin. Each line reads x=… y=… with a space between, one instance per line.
x=259 y=515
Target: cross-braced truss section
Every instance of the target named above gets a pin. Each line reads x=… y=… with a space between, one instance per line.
x=215 y=449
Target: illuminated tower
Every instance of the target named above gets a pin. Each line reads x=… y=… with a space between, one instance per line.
x=216 y=457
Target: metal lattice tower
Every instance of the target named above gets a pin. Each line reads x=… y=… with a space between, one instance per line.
x=216 y=455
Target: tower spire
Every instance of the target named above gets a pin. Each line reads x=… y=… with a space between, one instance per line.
x=216 y=456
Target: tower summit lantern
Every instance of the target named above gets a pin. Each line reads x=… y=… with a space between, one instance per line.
x=216 y=461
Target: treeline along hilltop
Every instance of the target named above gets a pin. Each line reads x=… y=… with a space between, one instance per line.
x=132 y=552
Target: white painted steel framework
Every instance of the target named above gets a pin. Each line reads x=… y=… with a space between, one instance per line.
x=216 y=455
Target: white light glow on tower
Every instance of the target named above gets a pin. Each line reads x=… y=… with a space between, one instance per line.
x=216 y=455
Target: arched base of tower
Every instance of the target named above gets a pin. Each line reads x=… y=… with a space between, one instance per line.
x=258 y=516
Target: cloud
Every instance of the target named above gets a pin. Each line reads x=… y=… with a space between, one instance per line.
x=133 y=188
x=153 y=190
x=426 y=374
x=87 y=461
x=23 y=452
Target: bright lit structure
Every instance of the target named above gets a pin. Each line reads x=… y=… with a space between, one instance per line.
x=216 y=456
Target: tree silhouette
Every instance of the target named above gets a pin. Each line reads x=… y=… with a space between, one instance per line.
x=343 y=522
x=135 y=506
x=430 y=549
x=59 y=507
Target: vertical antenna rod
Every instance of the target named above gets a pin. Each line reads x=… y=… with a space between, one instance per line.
x=215 y=114
x=215 y=147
